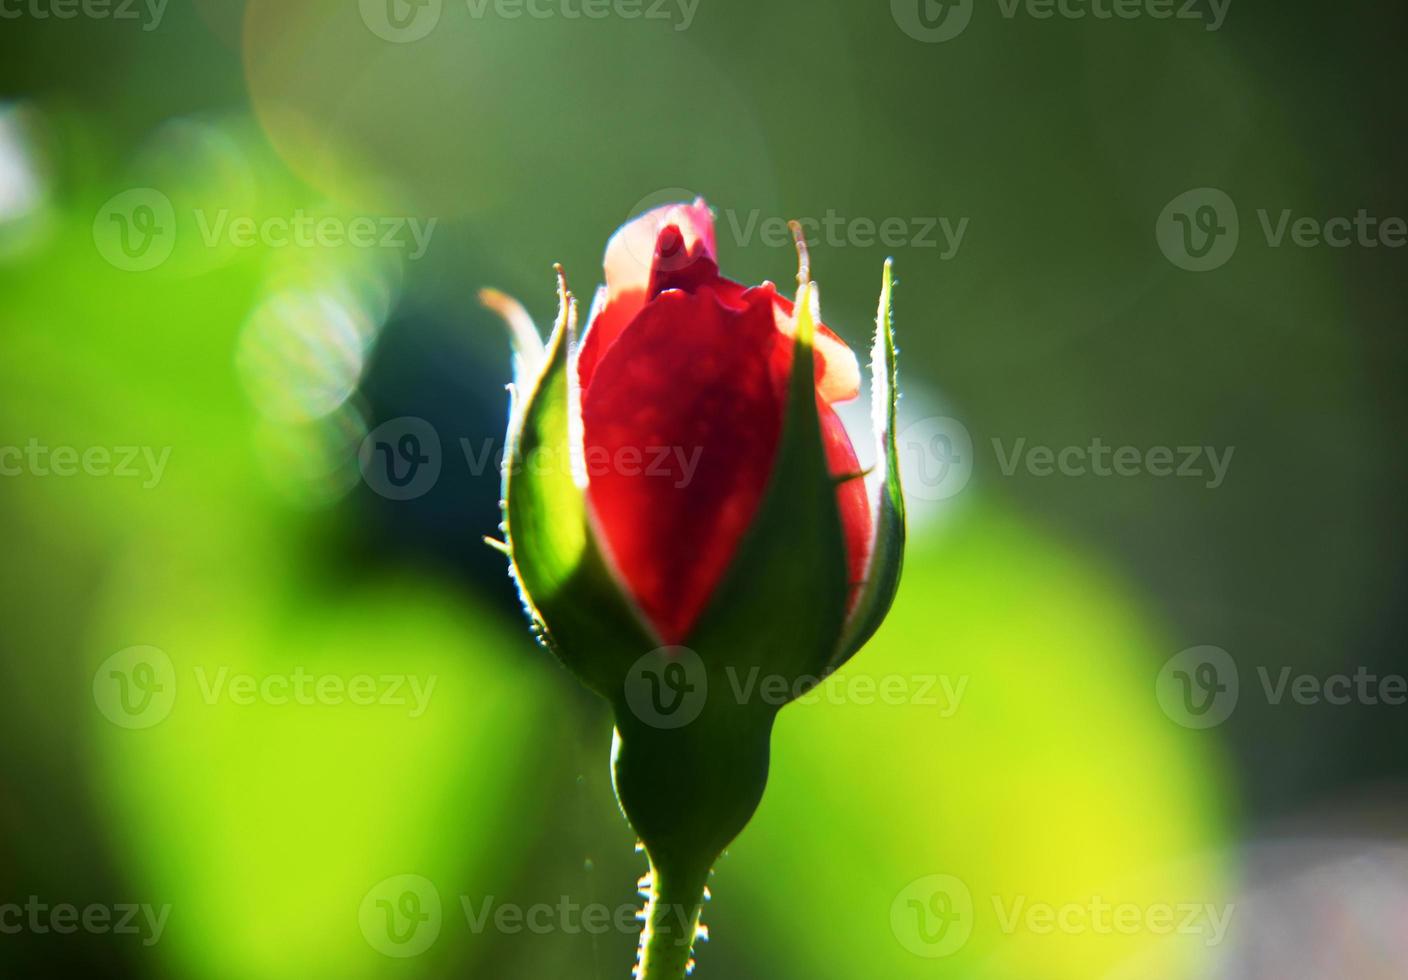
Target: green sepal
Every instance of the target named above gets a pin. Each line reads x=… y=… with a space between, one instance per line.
x=882 y=579
x=562 y=577
x=781 y=604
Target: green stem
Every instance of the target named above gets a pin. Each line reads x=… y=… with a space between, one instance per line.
x=671 y=922
x=687 y=792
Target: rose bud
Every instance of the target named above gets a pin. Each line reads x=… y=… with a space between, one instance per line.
x=686 y=521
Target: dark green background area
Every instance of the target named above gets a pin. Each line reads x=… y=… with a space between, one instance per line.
x=1057 y=321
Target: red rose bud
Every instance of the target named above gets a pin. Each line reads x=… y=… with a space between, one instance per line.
x=684 y=509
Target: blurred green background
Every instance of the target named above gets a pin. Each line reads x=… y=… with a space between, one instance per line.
x=242 y=539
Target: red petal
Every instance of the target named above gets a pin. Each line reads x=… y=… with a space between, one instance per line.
x=631 y=259
x=690 y=376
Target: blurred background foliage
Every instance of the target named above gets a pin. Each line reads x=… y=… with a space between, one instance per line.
x=528 y=141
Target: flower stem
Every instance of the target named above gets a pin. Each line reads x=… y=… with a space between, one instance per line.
x=671 y=922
